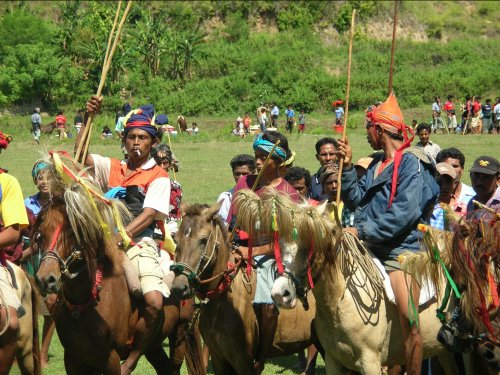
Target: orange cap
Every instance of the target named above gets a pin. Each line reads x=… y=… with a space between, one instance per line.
x=388 y=114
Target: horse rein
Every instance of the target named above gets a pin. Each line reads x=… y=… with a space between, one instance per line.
x=193 y=276
x=64 y=265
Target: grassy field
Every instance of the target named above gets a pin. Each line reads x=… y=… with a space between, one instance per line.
x=205 y=173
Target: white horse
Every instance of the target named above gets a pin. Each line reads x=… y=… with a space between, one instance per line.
x=27 y=346
x=356 y=324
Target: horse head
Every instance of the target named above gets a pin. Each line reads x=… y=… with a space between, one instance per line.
x=51 y=236
x=201 y=238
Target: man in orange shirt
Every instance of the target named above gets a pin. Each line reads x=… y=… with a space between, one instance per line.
x=61 y=124
x=147 y=194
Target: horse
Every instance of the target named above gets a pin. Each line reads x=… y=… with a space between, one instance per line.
x=356 y=324
x=181 y=123
x=49 y=128
x=228 y=324
x=27 y=345
x=95 y=315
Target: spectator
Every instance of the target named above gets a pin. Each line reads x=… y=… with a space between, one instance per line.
x=302 y=122
x=61 y=124
x=476 y=123
x=275 y=112
x=449 y=108
x=487 y=116
x=496 y=113
x=466 y=115
x=106 y=132
x=241 y=165
x=120 y=122
x=36 y=123
x=290 y=119
x=79 y=120
x=247 y=121
x=463 y=192
x=339 y=112
x=193 y=130
x=485 y=178
x=263 y=120
x=414 y=124
x=437 y=121
x=300 y=179
x=362 y=165
x=326 y=149
x=424 y=132
x=446 y=177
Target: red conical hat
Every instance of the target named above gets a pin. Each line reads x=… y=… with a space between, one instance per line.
x=388 y=114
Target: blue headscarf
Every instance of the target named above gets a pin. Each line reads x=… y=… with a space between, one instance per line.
x=267 y=146
x=37 y=168
x=161 y=120
x=142 y=118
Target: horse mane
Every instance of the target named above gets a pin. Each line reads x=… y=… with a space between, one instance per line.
x=308 y=224
x=197 y=209
x=92 y=220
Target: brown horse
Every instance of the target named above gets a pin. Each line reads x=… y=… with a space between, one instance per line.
x=95 y=316
x=181 y=124
x=228 y=323
x=49 y=128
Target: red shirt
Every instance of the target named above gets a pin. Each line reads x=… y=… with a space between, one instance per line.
x=448 y=106
x=60 y=121
x=477 y=107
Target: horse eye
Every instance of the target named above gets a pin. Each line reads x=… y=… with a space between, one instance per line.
x=204 y=241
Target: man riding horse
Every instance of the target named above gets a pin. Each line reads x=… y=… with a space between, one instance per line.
x=397 y=192
x=147 y=192
x=14 y=218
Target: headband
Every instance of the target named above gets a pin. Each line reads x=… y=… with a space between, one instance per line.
x=37 y=168
x=267 y=146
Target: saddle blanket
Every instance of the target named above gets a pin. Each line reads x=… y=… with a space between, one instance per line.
x=427 y=290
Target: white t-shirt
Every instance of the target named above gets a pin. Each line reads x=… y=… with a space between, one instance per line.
x=496 y=111
x=226 y=199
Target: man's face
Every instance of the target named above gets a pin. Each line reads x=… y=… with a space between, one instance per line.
x=423 y=135
x=260 y=159
x=372 y=137
x=138 y=143
x=326 y=154
x=330 y=185
x=455 y=163
x=242 y=170
x=447 y=186
x=42 y=182
x=300 y=186
x=484 y=184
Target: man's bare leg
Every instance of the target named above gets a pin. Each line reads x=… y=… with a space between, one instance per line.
x=411 y=335
x=146 y=329
x=268 y=323
x=8 y=339
x=47 y=331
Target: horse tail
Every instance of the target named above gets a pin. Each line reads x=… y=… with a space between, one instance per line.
x=35 y=303
x=194 y=361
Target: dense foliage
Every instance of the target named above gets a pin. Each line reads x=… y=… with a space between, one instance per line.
x=229 y=56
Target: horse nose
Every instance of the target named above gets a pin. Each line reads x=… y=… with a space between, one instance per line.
x=286 y=293
x=181 y=289
x=51 y=283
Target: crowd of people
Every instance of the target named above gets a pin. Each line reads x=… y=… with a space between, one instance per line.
x=384 y=196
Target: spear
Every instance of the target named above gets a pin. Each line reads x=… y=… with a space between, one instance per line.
x=83 y=146
x=391 y=67
x=346 y=117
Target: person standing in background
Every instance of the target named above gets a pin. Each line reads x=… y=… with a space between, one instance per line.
x=79 y=120
x=36 y=123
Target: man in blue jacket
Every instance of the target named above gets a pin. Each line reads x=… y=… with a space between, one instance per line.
x=396 y=194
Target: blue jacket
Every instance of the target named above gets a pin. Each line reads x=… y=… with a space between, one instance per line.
x=388 y=232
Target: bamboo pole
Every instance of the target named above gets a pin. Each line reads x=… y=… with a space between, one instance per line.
x=346 y=116
x=395 y=22
x=486 y=208
x=110 y=39
x=81 y=153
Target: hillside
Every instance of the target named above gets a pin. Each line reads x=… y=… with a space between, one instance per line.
x=228 y=56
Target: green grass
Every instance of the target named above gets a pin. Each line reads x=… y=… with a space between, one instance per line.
x=205 y=173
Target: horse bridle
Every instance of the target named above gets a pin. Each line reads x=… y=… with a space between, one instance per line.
x=300 y=289
x=64 y=265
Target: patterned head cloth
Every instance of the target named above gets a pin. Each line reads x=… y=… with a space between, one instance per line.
x=141 y=118
x=5 y=139
x=161 y=120
x=39 y=166
x=388 y=116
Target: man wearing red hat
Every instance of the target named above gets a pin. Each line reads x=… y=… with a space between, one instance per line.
x=146 y=187
x=397 y=192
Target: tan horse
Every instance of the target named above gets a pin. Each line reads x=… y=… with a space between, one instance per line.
x=228 y=324
x=95 y=316
x=28 y=347
x=181 y=124
x=356 y=324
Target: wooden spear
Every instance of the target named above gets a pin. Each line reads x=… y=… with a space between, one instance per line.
x=346 y=117
x=395 y=21
x=83 y=146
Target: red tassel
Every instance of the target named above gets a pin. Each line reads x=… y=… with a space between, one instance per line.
x=493 y=287
x=277 y=253
x=249 y=260
x=309 y=257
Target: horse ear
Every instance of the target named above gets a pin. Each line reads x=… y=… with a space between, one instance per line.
x=212 y=211
x=322 y=207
